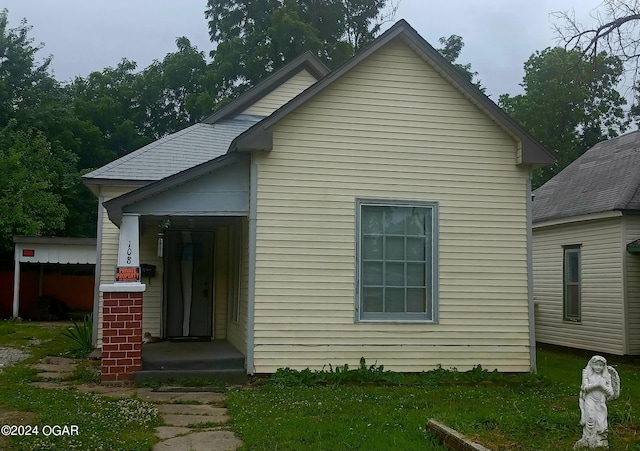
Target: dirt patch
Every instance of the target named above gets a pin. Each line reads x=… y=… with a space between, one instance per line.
x=14 y=417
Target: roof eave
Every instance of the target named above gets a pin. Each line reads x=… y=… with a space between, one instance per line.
x=116 y=205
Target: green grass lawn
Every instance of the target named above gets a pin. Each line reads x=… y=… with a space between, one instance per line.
x=103 y=423
x=303 y=411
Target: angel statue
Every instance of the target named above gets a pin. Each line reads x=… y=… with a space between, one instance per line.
x=600 y=383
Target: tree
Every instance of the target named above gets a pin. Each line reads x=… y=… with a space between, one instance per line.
x=35 y=177
x=615 y=30
x=256 y=37
x=21 y=79
x=177 y=91
x=451 y=52
x=570 y=103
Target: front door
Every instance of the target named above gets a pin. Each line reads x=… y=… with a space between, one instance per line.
x=188 y=284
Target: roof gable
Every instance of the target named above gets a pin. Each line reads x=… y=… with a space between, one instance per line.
x=532 y=152
x=605 y=178
x=306 y=62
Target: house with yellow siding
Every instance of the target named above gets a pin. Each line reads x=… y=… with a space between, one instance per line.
x=380 y=211
x=586 y=251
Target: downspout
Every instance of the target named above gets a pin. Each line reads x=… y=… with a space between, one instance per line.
x=98 y=269
x=532 y=324
x=253 y=198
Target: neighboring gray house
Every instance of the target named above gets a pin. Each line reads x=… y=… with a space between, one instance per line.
x=586 y=253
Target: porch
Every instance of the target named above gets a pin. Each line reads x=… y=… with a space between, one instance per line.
x=215 y=359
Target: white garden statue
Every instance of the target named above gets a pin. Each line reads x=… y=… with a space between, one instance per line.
x=600 y=383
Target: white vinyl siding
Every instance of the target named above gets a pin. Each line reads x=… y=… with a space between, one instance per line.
x=602 y=311
x=391 y=128
x=282 y=94
x=633 y=285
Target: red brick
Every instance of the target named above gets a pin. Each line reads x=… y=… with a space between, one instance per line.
x=125 y=346
x=124 y=332
x=124 y=362
x=106 y=332
x=119 y=309
x=120 y=339
x=125 y=317
x=134 y=339
x=137 y=316
x=111 y=347
x=135 y=346
x=133 y=355
x=135 y=309
x=115 y=325
x=126 y=302
x=108 y=362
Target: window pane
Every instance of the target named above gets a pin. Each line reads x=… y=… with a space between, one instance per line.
x=372 y=220
x=372 y=299
x=573 y=301
x=416 y=222
x=372 y=273
x=394 y=274
x=394 y=220
x=372 y=248
x=394 y=300
x=415 y=249
x=572 y=262
x=394 y=247
x=416 y=300
x=416 y=274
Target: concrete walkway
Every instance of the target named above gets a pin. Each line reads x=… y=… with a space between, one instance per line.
x=193 y=420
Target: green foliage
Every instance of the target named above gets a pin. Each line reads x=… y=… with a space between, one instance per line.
x=570 y=104
x=376 y=375
x=255 y=38
x=451 y=52
x=34 y=179
x=81 y=335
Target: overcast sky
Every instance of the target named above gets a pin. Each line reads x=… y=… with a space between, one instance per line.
x=88 y=35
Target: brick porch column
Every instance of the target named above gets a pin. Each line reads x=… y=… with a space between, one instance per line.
x=121 y=331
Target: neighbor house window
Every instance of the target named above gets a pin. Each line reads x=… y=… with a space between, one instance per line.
x=396 y=264
x=572 y=288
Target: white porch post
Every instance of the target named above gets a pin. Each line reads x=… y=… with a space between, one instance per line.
x=16 y=282
x=129 y=246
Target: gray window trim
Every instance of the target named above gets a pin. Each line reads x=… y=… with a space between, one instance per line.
x=571 y=249
x=432 y=278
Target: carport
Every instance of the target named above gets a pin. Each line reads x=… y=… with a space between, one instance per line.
x=49 y=250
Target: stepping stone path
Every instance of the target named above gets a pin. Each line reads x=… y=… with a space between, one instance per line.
x=194 y=420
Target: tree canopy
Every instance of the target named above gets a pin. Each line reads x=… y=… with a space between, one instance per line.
x=570 y=103
x=253 y=38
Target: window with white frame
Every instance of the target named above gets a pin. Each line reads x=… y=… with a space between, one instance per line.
x=396 y=260
x=572 y=288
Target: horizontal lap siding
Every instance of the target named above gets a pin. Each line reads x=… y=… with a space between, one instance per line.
x=633 y=285
x=391 y=128
x=282 y=94
x=601 y=328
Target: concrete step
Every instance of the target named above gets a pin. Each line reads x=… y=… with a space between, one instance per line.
x=236 y=376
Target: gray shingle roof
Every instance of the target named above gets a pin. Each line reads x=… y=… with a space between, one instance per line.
x=605 y=178
x=182 y=150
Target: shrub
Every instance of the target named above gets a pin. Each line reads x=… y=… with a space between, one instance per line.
x=82 y=335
